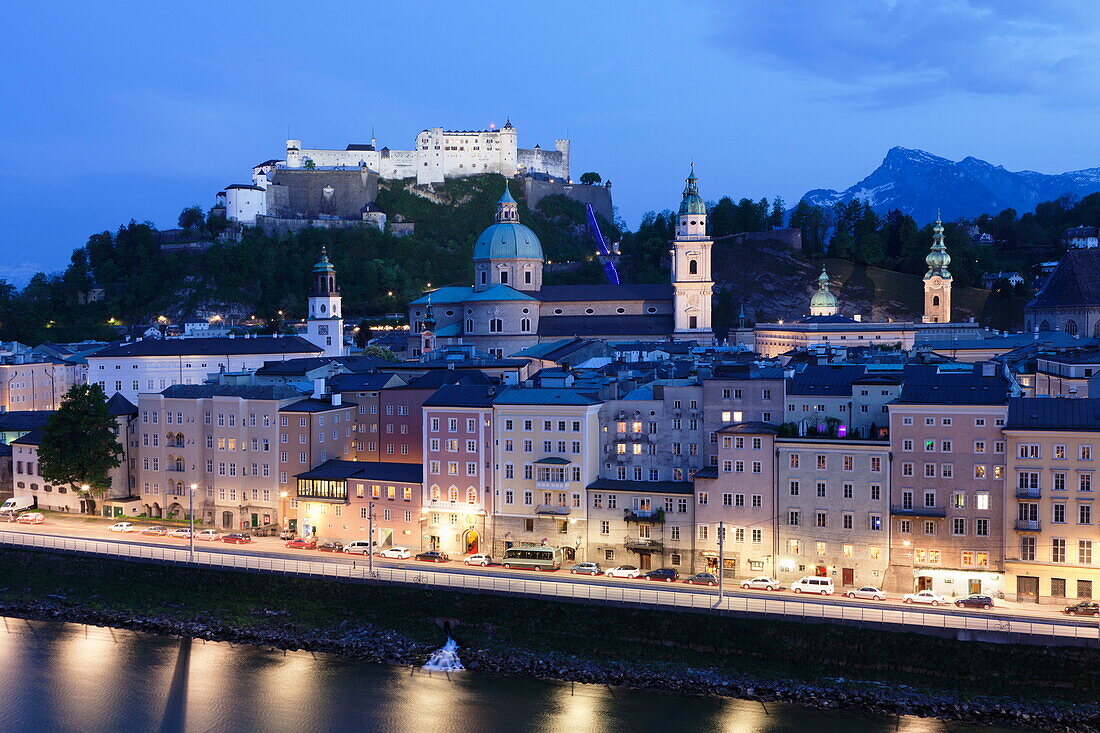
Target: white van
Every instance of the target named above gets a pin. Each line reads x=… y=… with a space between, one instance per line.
x=813 y=584
x=19 y=504
x=359 y=547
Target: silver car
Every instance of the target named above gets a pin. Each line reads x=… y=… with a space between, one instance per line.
x=867 y=592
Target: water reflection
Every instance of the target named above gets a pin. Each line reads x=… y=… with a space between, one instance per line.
x=63 y=677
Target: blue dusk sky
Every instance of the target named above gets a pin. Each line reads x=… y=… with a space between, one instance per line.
x=128 y=110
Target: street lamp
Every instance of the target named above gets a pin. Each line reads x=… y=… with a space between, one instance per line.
x=84 y=496
x=191 y=516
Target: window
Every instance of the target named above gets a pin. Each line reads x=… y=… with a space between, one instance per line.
x=874 y=523
x=794 y=488
x=605 y=528
x=1058 y=513
x=876 y=492
x=981 y=527
x=1027 y=548
x=958 y=526
x=1085 y=452
x=794 y=517
x=1084 y=552
x=1084 y=482
x=1057 y=549
x=1084 y=513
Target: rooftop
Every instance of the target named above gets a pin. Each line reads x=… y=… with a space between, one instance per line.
x=244 y=392
x=209 y=347
x=340 y=470
x=1053 y=413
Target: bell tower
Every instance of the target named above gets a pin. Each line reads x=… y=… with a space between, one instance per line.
x=692 y=286
x=937 y=281
x=325 y=323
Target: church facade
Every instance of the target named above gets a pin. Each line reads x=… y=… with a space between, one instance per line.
x=508 y=308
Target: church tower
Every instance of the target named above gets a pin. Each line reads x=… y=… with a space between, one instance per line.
x=823 y=302
x=692 y=286
x=937 y=281
x=325 y=324
x=508 y=252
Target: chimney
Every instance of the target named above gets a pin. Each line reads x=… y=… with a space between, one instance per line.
x=318 y=388
x=336 y=398
x=858 y=318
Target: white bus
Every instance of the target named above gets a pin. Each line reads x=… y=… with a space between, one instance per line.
x=534 y=557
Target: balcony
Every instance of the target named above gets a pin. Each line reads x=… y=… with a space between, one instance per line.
x=551 y=510
x=655 y=516
x=1022 y=493
x=549 y=485
x=1028 y=525
x=643 y=544
x=919 y=511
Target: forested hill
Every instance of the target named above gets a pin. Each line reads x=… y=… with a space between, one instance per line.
x=262 y=275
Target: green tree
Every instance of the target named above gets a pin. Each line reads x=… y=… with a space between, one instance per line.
x=779 y=213
x=190 y=217
x=380 y=352
x=79 y=446
x=590 y=178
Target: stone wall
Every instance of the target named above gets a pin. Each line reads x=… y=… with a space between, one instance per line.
x=311 y=194
x=599 y=196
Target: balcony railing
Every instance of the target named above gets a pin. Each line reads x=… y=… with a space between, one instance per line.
x=553 y=510
x=919 y=511
x=1022 y=493
x=644 y=515
x=1028 y=525
x=550 y=485
x=643 y=544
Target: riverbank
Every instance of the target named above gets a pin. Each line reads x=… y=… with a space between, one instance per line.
x=827 y=667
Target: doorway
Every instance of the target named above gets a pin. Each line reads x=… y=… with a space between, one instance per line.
x=1027 y=589
x=255 y=520
x=644 y=562
x=227 y=520
x=974 y=585
x=711 y=564
x=821 y=571
x=848 y=577
x=924 y=582
x=472 y=541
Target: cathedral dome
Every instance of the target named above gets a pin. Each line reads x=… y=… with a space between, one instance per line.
x=823 y=302
x=692 y=202
x=507 y=239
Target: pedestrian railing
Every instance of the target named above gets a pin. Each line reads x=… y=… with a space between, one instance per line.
x=1029 y=629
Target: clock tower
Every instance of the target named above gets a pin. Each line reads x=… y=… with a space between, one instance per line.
x=692 y=286
x=325 y=323
x=937 y=281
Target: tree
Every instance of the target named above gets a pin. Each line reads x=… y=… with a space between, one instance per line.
x=590 y=178
x=190 y=217
x=779 y=213
x=380 y=352
x=79 y=446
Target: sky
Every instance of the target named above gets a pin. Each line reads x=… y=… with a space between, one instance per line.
x=120 y=110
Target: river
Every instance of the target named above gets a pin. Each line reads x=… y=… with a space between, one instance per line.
x=68 y=677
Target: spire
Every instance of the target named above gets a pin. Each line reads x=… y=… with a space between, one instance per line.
x=692 y=202
x=823 y=302
x=823 y=279
x=938 y=259
x=507 y=208
x=429 y=317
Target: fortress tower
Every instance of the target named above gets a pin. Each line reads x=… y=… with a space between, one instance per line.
x=692 y=285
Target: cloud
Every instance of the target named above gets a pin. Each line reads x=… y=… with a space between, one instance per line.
x=897 y=52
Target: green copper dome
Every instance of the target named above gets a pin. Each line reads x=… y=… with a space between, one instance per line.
x=938 y=259
x=323 y=265
x=823 y=302
x=507 y=239
x=692 y=202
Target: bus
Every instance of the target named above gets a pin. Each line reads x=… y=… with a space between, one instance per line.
x=534 y=557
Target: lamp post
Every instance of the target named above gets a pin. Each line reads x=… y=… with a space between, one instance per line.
x=84 y=497
x=370 y=534
x=721 y=557
x=191 y=517
x=282 y=511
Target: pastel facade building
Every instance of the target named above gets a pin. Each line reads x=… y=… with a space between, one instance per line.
x=36 y=383
x=648 y=524
x=1050 y=530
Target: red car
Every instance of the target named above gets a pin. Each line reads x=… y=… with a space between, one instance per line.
x=302 y=544
x=237 y=538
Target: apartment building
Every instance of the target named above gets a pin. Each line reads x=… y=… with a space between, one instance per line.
x=224 y=440
x=833 y=505
x=365 y=390
x=311 y=431
x=738 y=496
x=654 y=433
x=546 y=448
x=649 y=524
x=334 y=501
x=822 y=393
x=947 y=480
x=36 y=382
x=1051 y=520
x=737 y=393
x=458 y=430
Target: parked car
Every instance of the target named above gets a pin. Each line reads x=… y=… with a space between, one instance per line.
x=478 y=559
x=236 y=538
x=1084 y=608
x=121 y=527
x=813 y=584
x=301 y=544
x=286 y=534
x=155 y=531
x=31 y=518
x=433 y=556
x=702 y=579
x=975 y=600
x=183 y=533
x=867 y=592
x=761 y=583
x=624 y=571
x=666 y=575
x=331 y=546
x=393 y=553
x=359 y=547
x=924 y=596
x=586 y=568
x=208 y=535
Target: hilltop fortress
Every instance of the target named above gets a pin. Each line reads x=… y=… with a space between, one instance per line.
x=325 y=187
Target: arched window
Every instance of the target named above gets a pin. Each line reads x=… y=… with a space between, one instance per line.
x=693 y=267
x=1071 y=327
x=471 y=495
x=935 y=300
x=179 y=463
x=496 y=325
x=452 y=494
x=434 y=493
x=525 y=324
x=1044 y=326
x=469 y=325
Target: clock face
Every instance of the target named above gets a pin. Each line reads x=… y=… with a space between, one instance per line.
x=322 y=330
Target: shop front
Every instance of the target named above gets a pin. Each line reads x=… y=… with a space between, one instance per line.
x=956 y=583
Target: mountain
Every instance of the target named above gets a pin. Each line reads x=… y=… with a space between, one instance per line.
x=920 y=184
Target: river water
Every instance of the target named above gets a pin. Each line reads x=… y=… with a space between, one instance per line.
x=67 y=677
